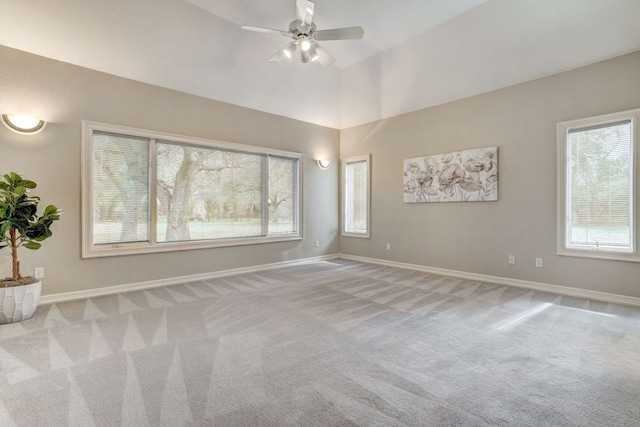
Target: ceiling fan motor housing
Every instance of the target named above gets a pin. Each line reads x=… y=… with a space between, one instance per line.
x=298 y=30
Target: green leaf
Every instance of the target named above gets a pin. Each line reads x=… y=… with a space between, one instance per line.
x=19 y=191
x=28 y=184
x=50 y=210
x=32 y=245
x=4 y=228
x=15 y=178
x=36 y=231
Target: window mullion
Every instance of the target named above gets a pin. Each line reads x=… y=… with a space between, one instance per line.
x=632 y=184
x=298 y=198
x=153 y=188
x=265 y=196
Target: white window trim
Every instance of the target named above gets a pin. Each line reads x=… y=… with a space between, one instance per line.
x=89 y=250
x=346 y=161
x=563 y=129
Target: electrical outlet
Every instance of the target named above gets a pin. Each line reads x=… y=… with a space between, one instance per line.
x=512 y=259
x=539 y=262
x=388 y=246
x=317 y=243
x=38 y=273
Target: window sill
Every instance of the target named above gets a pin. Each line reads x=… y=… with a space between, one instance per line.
x=611 y=256
x=359 y=235
x=146 y=248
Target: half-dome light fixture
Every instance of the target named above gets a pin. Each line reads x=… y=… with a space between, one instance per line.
x=323 y=164
x=23 y=124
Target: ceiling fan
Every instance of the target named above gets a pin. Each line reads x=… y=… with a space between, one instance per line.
x=305 y=36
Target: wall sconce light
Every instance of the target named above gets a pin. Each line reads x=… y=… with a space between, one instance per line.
x=25 y=125
x=323 y=164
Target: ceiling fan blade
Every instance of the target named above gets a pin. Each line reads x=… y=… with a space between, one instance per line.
x=304 y=11
x=324 y=57
x=277 y=57
x=265 y=30
x=348 y=33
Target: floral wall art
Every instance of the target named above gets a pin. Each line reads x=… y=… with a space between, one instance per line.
x=463 y=176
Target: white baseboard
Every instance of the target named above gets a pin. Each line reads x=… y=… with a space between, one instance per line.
x=546 y=287
x=90 y=293
x=556 y=289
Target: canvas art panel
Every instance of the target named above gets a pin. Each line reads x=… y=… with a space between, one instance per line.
x=461 y=176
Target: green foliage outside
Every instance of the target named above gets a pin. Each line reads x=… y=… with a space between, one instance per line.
x=201 y=192
x=600 y=165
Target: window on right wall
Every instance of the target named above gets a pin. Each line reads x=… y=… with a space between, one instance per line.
x=597 y=190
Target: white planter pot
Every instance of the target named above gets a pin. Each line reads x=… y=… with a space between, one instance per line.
x=18 y=303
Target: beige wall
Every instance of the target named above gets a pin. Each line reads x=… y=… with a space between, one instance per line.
x=478 y=237
x=65 y=94
x=472 y=237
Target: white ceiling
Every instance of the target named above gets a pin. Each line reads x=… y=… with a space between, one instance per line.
x=415 y=53
x=386 y=22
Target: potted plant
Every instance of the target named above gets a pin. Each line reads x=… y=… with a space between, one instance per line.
x=20 y=226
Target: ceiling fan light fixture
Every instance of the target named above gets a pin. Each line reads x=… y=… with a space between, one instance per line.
x=289 y=50
x=313 y=53
x=305 y=35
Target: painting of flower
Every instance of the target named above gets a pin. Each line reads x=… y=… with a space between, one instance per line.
x=463 y=176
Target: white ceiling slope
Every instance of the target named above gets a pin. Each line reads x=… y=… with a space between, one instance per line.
x=497 y=44
x=415 y=53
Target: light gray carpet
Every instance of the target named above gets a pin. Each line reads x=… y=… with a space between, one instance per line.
x=335 y=343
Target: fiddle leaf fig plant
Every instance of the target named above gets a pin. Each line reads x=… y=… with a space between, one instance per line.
x=20 y=225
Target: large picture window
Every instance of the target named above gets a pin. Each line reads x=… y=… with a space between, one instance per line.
x=150 y=192
x=597 y=192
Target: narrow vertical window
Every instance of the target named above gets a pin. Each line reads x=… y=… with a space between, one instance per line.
x=598 y=192
x=356 y=195
x=599 y=176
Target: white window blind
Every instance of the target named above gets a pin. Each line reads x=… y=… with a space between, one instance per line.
x=283 y=187
x=600 y=187
x=356 y=196
x=120 y=185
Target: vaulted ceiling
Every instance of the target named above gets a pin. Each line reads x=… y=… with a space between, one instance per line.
x=415 y=53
